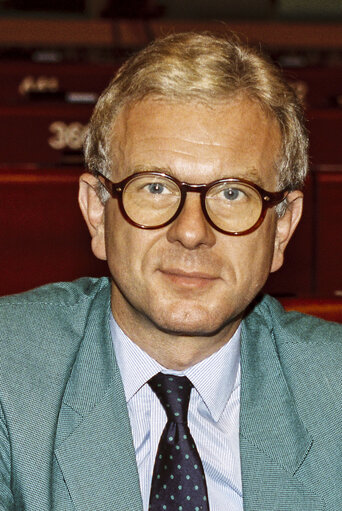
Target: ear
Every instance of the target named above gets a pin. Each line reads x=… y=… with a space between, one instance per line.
x=93 y=213
x=286 y=226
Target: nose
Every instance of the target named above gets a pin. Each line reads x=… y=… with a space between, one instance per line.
x=190 y=228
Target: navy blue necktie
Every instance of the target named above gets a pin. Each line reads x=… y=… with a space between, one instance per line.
x=178 y=482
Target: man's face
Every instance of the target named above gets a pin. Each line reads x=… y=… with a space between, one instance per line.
x=187 y=278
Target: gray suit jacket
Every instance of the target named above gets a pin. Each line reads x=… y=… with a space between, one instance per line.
x=65 y=438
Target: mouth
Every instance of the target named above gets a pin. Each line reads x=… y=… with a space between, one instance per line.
x=190 y=280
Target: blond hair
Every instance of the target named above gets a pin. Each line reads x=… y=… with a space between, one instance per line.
x=206 y=68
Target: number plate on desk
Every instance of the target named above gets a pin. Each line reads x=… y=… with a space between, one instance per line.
x=43 y=133
x=67 y=136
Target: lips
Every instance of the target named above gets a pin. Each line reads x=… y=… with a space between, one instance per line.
x=191 y=279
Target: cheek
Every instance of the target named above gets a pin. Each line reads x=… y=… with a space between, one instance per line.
x=116 y=241
x=262 y=249
x=251 y=255
x=128 y=248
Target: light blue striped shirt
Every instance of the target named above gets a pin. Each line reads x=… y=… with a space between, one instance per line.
x=213 y=415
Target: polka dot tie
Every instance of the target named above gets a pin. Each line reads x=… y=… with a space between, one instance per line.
x=178 y=482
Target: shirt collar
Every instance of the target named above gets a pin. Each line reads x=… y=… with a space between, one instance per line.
x=214 y=378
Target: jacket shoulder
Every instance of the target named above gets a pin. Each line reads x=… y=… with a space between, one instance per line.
x=296 y=327
x=63 y=294
x=42 y=329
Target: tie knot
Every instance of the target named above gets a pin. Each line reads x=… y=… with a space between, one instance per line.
x=174 y=394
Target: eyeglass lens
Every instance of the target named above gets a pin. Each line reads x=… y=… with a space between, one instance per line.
x=152 y=200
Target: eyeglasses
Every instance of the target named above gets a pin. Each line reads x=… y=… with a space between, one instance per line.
x=151 y=200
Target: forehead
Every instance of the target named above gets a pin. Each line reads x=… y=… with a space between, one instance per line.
x=197 y=142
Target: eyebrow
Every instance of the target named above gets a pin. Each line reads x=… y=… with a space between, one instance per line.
x=251 y=174
x=150 y=168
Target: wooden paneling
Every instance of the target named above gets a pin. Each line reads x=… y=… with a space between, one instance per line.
x=44 y=237
x=295 y=278
x=20 y=79
x=49 y=32
x=325 y=131
x=270 y=33
x=329 y=232
x=320 y=87
x=136 y=33
x=314 y=256
x=49 y=133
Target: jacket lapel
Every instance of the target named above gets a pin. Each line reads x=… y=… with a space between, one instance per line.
x=274 y=442
x=94 y=447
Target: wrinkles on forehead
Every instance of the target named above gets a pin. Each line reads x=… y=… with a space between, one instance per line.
x=147 y=133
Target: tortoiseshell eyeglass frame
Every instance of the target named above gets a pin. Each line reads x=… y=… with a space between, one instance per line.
x=269 y=199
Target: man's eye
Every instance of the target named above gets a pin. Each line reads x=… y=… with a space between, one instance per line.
x=233 y=194
x=156 y=188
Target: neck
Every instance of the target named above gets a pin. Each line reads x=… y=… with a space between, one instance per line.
x=173 y=350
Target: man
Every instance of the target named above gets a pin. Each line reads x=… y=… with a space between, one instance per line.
x=197 y=155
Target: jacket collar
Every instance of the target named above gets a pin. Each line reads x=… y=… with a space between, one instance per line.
x=269 y=418
x=94 y=446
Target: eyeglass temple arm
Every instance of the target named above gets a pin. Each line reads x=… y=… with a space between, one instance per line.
x=112 y=188
x=274 y=198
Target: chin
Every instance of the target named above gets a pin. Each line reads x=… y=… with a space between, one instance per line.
x=190 y=323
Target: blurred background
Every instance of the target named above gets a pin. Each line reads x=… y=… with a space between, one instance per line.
x=179 y=9
x=56 y=57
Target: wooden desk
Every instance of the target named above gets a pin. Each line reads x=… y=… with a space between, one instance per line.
x=325 y=308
